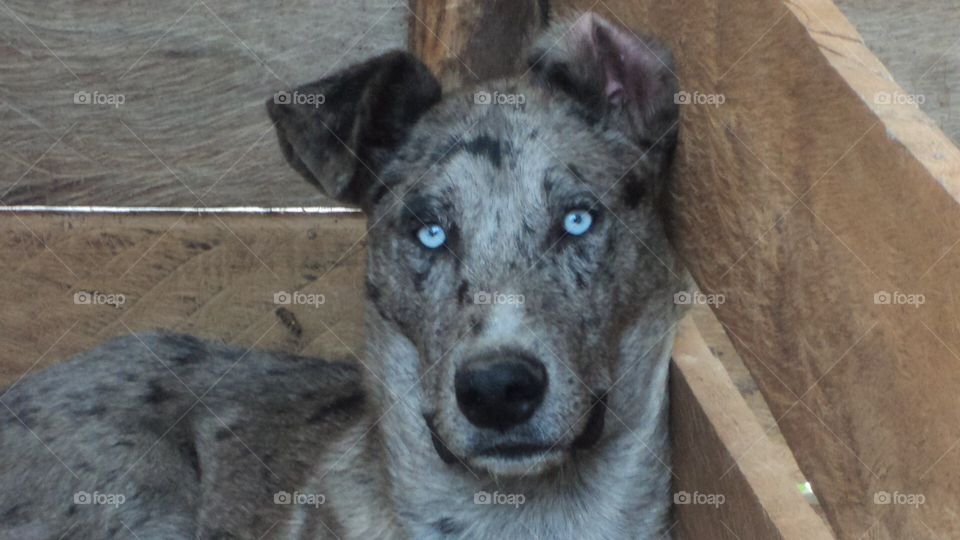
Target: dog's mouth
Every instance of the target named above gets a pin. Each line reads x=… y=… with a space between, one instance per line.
x=524 y=457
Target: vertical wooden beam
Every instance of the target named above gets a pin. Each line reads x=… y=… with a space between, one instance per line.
x=468 y=41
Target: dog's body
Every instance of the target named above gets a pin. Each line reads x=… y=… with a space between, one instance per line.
x=468 y=417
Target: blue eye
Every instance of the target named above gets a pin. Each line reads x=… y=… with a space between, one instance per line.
x=432 y=236
x=577 y=222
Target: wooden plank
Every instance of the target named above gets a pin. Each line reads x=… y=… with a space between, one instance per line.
x=212 y=275
x=466 y=42
x=801 y=197
x=731 y=481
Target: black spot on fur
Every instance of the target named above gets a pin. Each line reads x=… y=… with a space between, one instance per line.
x=463 y=292
x=379 y=193
x=222 y=434
x=581 y=282
x=476 y=326
x=419 y=278
x=189 y=452
x=558 y=76
x=485 y=146
x=343 y=404
x=447 y=526
x=96 y=411
x=633 y=191
x=289 y=320
x=11 y=513
x=157 y=394
x=373 y=292
x=576 y=172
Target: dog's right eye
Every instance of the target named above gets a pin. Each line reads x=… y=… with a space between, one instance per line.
x=432 y=236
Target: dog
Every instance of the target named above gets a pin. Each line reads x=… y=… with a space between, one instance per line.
x=519 y=319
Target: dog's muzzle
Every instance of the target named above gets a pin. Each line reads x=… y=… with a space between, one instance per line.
x=588 y=437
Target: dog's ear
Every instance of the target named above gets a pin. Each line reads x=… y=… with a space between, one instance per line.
x=617 y=77
x=338 y=132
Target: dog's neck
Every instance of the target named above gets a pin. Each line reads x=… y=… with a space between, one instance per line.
x=617 y=489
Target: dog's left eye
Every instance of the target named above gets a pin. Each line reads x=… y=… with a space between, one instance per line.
x=577 y=222
x=432 y=236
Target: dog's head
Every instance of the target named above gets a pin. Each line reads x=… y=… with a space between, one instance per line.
x=514 y=233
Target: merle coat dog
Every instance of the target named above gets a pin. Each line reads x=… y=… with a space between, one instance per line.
x=519 y=318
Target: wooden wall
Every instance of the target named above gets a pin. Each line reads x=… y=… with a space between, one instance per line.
x=828 y=220
x=194 y=76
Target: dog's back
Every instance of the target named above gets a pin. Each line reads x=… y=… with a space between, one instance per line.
x=167 y=436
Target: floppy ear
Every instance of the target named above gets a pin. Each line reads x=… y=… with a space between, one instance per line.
x=617 y=77
x=338 y=132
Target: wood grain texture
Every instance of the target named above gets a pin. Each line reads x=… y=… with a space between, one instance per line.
x=211 y=275
x=920 y=45
x=800 y=198
x=465 y=42
x=192 y=130
x=732 y=480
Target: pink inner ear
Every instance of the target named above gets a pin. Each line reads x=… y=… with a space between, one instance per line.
x=629 y=66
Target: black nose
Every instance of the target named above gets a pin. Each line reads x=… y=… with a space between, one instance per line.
x=500 y=390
